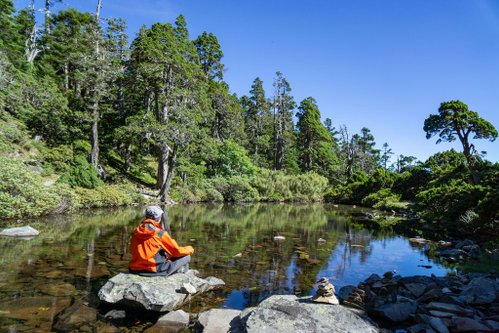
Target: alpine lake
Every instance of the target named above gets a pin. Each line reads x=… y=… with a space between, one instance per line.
x=75 y=254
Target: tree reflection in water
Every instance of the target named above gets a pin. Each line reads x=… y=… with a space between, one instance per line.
x=77 y=254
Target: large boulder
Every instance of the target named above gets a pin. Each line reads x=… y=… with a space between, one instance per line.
x=287 y=313
x=156 y=293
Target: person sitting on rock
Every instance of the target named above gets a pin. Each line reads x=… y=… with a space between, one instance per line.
x=154 y=251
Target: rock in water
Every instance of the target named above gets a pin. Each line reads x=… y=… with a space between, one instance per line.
x=288 y=313
x=20 y=232
x=156 y=293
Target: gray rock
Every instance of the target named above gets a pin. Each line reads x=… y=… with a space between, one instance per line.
x=345 y=291
x=188 y=288
x=417 y=289
x=438 y=325
x=494 y=325
x=480 y=291
x=372 y=279
x=442 y=314
x=153 y=293
x=77 y=315
x=464 y=243
x=171 y=322
x=396 y=312
x=20 y=232
x=447 y=307
x=115 y=314
x=287 y=313
x=430 y=295
x=461 y=324
x=220 y=320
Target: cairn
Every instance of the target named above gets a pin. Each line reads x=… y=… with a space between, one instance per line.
x=325 y=292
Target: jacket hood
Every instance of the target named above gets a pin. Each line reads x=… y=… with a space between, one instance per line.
x=143 y=231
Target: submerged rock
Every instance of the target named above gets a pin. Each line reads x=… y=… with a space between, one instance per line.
x=288 y=313
x=156 y=293
x=77 y=315
x=20 y=232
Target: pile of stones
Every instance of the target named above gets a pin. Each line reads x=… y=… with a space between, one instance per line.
x=325 y=292
x=465 y=303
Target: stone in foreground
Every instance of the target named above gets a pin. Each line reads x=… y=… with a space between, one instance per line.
x=20 y=232
x=288 y=313
x=172 y=322
x=156 y=293
x=220 y=320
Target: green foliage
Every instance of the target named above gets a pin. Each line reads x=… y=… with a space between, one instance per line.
x=384 y=199
x=230 y=159
x=22 y=193
x=107 y=196
x=314 y=142
x=278 y=186
x=235 y=189
x=57 y=158
x=81 y=173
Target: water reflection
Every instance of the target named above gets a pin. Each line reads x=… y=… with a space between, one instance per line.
x=74 y=255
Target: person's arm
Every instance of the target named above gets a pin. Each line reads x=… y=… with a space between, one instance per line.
x=170 y=245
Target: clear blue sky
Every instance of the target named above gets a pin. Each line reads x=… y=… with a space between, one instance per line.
x=384 y=64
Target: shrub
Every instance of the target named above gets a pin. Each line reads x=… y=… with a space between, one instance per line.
x=384 y=199
x=22 y=192
x=230 y=159
x=235 y=189
x=106 y=196
x=82 y=174
x=59 y=158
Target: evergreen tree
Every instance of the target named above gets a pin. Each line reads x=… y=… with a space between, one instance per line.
x=283 y=128
x=210 y=55
x=258 y=122
x=166 y=73
x=315 y=144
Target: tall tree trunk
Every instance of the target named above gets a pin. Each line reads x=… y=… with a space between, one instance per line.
x=97 y=10
x=468 y=153
x=128 y=157
x=163 y=155
x=172 y=160
x=66 y=76
x=94 y=155
x=47 y=16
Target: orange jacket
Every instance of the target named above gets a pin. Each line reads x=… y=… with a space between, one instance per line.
x=151 y=247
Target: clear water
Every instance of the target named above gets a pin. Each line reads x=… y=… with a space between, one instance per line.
x=74 y=256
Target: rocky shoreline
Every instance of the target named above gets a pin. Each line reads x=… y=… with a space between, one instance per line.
x=388 y=303
x=464 y=303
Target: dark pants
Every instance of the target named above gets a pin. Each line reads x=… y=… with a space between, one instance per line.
x=168 y=268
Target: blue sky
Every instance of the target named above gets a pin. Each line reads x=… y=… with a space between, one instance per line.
x=384 y=64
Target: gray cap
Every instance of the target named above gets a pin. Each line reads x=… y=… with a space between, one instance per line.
x=154 y=212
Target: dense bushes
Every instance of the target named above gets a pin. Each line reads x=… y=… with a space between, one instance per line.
x=81 y=173
x=22 y=193
x=267 y=185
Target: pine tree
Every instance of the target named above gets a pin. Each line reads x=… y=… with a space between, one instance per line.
x=283 y=131
x=315 y=144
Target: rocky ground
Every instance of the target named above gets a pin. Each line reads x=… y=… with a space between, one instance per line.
x=466 y=303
